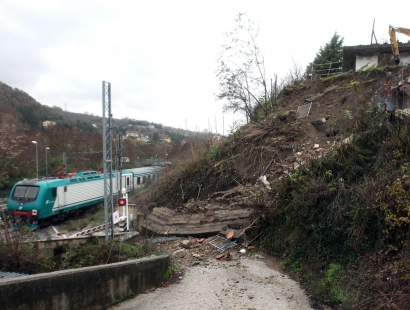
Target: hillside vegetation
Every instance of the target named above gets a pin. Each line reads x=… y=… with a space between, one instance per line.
x=77 y=135
x=336 y=210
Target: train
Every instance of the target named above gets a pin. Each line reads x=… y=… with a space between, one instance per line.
x=43 y=201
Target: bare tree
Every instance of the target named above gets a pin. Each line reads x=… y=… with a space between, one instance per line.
x=241 y=70
x=294 y=77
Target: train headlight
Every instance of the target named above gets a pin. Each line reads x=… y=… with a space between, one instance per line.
x=34 y=212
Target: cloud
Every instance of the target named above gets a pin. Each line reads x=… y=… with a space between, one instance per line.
x=161 y=56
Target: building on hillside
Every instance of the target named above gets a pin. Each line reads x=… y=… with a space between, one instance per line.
x=356 y=57
x=132 y=134
x=49 y=124
x=143 y=139
x=217 y=138
x=165 y=138
x=379 y=55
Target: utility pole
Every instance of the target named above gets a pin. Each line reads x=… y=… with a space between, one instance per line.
x=65 y=163
x=119 y=153
x=373 y=35
x=36 y=143
x=107 y=160
x=47 y=148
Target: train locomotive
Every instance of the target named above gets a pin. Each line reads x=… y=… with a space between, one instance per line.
x=43 y=201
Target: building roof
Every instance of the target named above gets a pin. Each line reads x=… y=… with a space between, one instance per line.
x=350 y=52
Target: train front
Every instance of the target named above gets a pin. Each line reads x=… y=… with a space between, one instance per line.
x=24 y=204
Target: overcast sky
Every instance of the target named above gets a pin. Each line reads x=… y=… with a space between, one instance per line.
x=161 y=56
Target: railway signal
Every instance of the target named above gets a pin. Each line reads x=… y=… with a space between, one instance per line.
x=122 y=202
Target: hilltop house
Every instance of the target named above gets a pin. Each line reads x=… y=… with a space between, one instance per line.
x=379 y=55
x=47 y=124
x=356 y=57
x=165 y=138
x=132 y=134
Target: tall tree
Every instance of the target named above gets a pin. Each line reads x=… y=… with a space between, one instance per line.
x=241 y=70
x=328 y=59
x=155 y=137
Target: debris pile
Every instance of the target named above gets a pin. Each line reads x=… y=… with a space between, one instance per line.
x=233 y=208
x=229 y=244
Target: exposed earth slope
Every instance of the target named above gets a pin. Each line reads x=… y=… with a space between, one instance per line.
x=334 y=202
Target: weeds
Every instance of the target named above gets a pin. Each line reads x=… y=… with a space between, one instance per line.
x=331 y=286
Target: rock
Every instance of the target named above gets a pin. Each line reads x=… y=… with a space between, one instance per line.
x=179 y=253
x=230 y=234
x=186 y=243
x=264 y=181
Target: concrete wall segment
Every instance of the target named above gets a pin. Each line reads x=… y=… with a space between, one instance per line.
x=95 y=287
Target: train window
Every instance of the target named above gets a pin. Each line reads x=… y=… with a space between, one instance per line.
x=20 y=191
x=128 y=182
x=138 y=180
x=26 y=191
x=73 y=180
x=54 y=192
x=32 y=192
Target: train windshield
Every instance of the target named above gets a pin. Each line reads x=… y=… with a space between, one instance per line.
x=22 y=191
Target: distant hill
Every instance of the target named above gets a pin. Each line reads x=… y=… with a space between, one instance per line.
x=19 y=108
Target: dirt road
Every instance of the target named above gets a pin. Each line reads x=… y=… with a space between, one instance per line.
x=248 y=283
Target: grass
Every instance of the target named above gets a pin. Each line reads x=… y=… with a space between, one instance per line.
x=95 y=219
x=170 y=271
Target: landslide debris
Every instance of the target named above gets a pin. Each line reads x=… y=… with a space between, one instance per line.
x=333 y=198
x=231 y=208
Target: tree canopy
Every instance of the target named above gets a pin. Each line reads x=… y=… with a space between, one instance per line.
x=329 y=58
x=241 y=70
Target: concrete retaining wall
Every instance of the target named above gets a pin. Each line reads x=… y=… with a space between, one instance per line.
x=95 y=287
x=46 y=247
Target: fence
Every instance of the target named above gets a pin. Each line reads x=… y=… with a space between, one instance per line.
x=325 y=69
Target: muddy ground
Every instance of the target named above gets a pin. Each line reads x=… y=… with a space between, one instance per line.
x=250 y=280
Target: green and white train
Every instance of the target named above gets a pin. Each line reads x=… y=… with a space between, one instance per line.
x=43 y=201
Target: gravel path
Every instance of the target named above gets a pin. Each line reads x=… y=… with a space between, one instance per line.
x=244 y=283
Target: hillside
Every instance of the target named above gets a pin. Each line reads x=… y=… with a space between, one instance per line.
x=19 y=108
x=77 y=135
x=335 y=204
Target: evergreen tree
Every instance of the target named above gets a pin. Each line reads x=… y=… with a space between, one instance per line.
x=155 y=137
x=328 y=59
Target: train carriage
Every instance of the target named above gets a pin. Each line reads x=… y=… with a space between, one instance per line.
x=40 y=200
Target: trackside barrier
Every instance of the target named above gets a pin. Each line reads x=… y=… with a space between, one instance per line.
x=115 y=218
x=90 y=230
